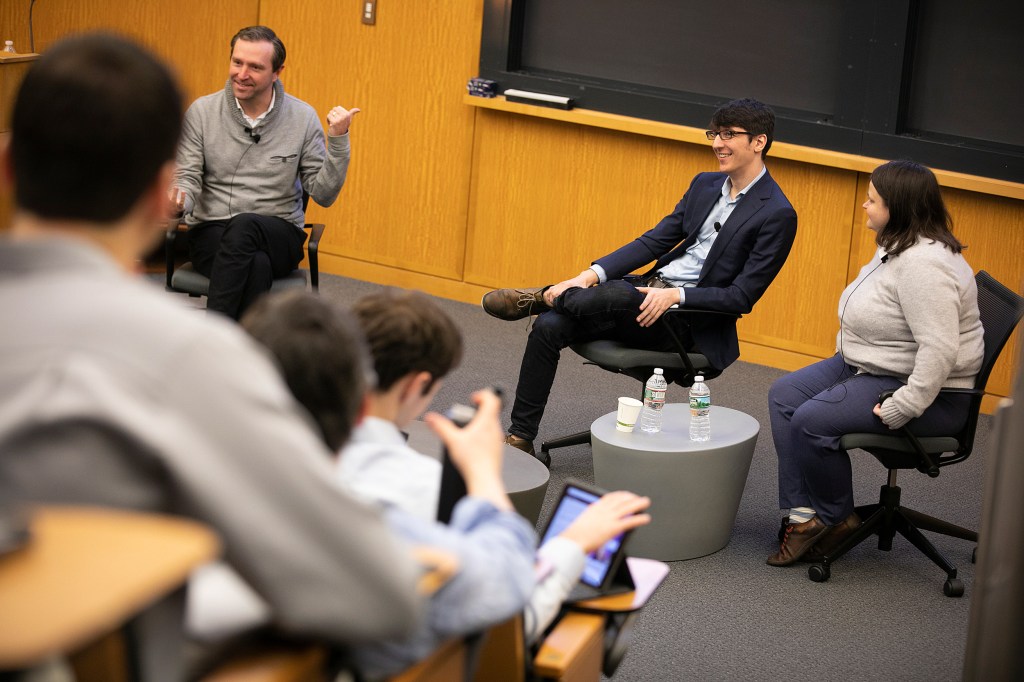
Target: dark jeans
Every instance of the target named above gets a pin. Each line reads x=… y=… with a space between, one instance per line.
x=606 y=311
x=242 y=256
x=812 y=408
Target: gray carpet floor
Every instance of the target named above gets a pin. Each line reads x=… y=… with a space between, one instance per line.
x=729 y=616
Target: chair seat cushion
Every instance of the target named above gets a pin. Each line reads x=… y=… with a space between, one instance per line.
x=187 y=280
x=895 y=452
x=613 y=354
x=191 y=282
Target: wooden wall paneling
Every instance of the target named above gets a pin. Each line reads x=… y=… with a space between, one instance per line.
x=992 y=228
x=549 y=197
x=192 y=35
x=798 y=312
x=6 y=198
x=11 y=74
x=405 y=201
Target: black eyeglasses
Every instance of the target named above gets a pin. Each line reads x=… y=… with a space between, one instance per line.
x=727 y=134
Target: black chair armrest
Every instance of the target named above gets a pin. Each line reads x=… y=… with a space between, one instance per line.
x=680 y=346
x=701 y=311
x=316 y=231
x=928 y=465
x=170 y=240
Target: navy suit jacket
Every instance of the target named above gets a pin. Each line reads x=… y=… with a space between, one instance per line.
x=747 y=254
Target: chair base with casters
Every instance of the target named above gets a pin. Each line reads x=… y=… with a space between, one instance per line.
x=885 y=519
x=186 y=280
x=679 y=365
x=1001 y=311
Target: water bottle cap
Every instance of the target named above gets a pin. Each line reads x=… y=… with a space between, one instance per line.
x=658 y=370
x=699 y=377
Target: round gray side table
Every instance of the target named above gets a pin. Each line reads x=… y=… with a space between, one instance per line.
x=525 y=478
x=695 y=487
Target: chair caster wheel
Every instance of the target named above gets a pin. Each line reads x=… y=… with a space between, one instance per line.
x=819 y=573
x=974 y=555
x=953 y=587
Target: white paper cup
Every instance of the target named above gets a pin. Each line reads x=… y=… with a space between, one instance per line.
x=629 y=410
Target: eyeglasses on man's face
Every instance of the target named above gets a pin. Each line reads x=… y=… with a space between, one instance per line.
x=727 y=134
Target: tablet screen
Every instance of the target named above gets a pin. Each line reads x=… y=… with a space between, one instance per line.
x=572 y=503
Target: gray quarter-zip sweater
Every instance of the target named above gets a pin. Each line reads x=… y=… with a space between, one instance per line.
x=225 y=171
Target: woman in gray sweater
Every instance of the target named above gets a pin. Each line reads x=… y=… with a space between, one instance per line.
x=909 y=322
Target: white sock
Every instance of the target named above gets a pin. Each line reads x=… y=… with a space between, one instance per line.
x=800 y=514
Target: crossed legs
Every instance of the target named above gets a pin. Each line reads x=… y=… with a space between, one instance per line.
x=242 y=256
x=605 y=311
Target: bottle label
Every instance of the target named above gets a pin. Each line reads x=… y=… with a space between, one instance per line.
x=700 y=404
x=654 y=398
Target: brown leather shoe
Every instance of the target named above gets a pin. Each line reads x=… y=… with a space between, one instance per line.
x=798 y=540
x=527 y=447
x=514 y=304
x=836 y=535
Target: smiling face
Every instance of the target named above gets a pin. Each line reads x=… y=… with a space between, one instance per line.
x=252 y=75
x=878 y=212
x=740 y=157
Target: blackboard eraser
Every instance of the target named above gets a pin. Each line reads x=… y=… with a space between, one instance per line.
x=539 y=98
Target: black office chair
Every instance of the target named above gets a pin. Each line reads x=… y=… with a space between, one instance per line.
x=1001 y=310
x=186 y=280
x=680 y=366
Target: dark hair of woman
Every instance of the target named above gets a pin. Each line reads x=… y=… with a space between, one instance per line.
x=916 y=210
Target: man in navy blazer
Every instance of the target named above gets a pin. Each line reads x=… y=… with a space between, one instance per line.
x=721 y=247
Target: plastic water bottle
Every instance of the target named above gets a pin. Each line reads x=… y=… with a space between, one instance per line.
x=654 y=401
x=700 y=410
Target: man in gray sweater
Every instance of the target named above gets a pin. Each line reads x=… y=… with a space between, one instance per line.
x=247 y=155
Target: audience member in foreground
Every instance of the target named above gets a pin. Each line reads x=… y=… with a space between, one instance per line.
x=908 y=323
x=301 y=329
x=413 y=346
x=112 y=394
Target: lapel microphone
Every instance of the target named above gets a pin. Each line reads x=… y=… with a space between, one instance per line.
x=718 y=226
x=255 y=136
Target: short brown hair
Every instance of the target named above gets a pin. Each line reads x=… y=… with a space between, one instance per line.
x=321 y=354
x=407 y=332
x=262 y=34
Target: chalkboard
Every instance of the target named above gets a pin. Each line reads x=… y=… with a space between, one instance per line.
x=938 y=81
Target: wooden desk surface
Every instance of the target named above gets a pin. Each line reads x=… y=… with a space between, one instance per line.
x=86 y=571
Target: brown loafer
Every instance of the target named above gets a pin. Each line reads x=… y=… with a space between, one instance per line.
x=527 y=447
x=836 y=535
x=798 y=540
x=514 y=304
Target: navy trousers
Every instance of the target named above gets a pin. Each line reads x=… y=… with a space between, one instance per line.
x=242 y=256
x=812 y=408
x=605 y=311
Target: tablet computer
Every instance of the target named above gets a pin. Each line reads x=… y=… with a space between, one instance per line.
x=605 y=570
